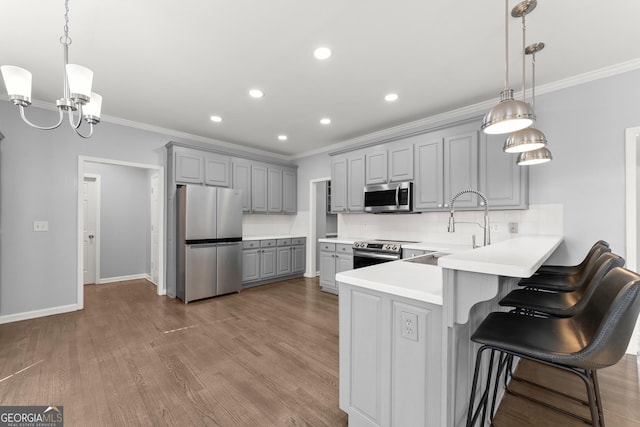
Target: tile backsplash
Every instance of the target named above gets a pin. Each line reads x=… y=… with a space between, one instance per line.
x=432 y=226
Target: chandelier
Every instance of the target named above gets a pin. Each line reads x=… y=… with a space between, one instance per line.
x=77 y=95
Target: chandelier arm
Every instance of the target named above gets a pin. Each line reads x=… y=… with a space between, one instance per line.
x=72 y=122
x=24 y=118
x=87 y=136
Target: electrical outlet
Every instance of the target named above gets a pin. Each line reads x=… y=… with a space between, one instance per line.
x=409 y=325
x=494 y=227
x=40 y=225
x=513 y=227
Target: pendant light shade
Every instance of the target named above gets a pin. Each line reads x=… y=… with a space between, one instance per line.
x=80 y=79
x=535 y=157
x=508 y=116
x=18 y=83
x=91 y=110
x=525 y=140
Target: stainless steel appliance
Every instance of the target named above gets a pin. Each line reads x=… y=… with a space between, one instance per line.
x=389 y=198
x=373 y=252
x=209 y=242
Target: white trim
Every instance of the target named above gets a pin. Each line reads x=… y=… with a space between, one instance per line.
x=313 y=238
x=123 y=278
x=162 y=288
x=98 y=179
x=27 y=315
x=631 y=191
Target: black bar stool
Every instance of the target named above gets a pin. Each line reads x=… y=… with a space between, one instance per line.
x=572 y=269
x=568 y=282
x=562 y=304
x=596 y=337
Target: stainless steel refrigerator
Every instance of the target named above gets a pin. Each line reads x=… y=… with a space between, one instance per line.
x=209 y=242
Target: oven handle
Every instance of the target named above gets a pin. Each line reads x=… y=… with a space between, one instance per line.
x=366 y=254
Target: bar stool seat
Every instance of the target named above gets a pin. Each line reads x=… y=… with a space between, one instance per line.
x=565 y=283
x=596 y=337
x=572 y=269
x=562 y=304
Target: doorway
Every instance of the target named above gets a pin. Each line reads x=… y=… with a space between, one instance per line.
x=156 y=174
x=632 y=187
x=317 y=222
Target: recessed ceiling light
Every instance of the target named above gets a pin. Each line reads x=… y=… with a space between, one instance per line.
x=256 y=93
x=322 y=53
x=325 y=121
x=216 y=119
x=390 y=97
x=282 y=137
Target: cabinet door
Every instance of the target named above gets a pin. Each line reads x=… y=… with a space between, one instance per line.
x=258 y=189
x=298 y=258
x=376 y=168
x=401 y=163
x=344 y=262
x=461 y=168
x=355 y=184
x=242 y=182
x=250 y=265
x=429 y=187
x=268 y=262
x=188 y=168
x=217 y=170
x=290 y=191
x=284 y=261
x=505 y=184
x=339 y=185
x=328 y=269
x=274 y=190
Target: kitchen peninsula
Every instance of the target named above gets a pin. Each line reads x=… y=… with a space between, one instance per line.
x=405 y=353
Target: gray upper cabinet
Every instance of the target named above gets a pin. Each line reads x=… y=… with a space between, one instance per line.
x=258 y=188
x=429 y=186
x=376 y=168
x=401 y=161
x=501 y=179
x=461 y=168
x=274 y=190
x=355 y=183
x=189 y=168
x=290 y=191
x=217 y=170
x=339 y=184
x=242 y=181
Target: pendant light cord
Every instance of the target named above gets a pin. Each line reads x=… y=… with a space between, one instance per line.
x=533 y=81
x=506 y=45
x=524 y=32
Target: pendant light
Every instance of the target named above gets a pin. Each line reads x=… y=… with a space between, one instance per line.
x=509 y=115
x=535 y=157
x=76 y=96
x=527 y=139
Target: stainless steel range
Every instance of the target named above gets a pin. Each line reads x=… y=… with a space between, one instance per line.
x=371 y=252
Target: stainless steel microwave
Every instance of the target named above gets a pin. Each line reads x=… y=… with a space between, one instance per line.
x=389 y=198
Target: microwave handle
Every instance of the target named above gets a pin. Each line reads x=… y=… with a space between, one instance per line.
x=398 y=196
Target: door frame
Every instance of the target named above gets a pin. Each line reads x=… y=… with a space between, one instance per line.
x=161 y=288
x=632 y=163
x=312 y=247
x=98 y=179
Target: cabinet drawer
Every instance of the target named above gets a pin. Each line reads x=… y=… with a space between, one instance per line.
x=268 y=243
x=342 y=248
x=298 y=241
x=328 y=247
x=250 y=244
x=284 y=242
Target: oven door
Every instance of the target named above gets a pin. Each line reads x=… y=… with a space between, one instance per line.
x=367 y=258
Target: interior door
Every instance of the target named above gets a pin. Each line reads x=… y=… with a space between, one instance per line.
x=155 y=229
x=90 y=211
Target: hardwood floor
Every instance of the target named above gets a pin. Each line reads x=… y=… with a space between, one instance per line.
x=266 y=356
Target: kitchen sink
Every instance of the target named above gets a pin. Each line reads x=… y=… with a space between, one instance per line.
x=430 y=259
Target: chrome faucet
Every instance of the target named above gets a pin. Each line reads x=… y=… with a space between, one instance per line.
x=452 y=222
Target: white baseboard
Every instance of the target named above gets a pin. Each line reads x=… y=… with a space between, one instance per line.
x=122 y=278
x=9 y=318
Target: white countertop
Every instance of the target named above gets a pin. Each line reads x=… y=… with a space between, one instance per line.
x=518 y=257
x=421 y=282
x=342 y=240
x=273 y=236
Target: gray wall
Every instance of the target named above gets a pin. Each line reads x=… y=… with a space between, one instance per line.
x=125 y=219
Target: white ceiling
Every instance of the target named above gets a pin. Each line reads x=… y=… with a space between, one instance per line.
x=173 y=64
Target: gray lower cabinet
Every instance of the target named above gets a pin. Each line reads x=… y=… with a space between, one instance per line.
x=265 y=261
x=334 y=259
x=390 y=359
